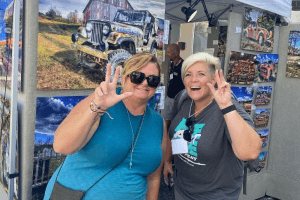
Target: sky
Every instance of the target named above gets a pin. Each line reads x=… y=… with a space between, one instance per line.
x=267 y=57
x=268 y=88
x=263 y=132
x=3 y=5
x=266 y=110
x=50 y=112
x=243 y=93
x=156 y=7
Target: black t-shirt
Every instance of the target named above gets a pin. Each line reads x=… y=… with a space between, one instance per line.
x=210 y=170
x=175 y=82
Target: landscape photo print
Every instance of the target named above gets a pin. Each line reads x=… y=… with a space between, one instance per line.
x=293 y=58
x=258 y=30
x=77 y=39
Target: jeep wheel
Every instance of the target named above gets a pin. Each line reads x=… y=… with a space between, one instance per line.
x=261 y=40
x=153 y=49
x=86 y=63
x=117 y=58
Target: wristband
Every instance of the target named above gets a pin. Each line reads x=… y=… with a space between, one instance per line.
x=228 y=109
x=95 y=108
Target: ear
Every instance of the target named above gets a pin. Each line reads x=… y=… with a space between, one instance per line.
x=214 y=82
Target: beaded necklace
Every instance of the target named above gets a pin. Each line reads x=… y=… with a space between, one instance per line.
x=134 y=140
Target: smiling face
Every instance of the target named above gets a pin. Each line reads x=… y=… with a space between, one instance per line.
x=141 y=92
x=195 y=80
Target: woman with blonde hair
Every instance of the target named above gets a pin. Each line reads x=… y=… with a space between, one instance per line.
x=211 y=134
x=114 y=150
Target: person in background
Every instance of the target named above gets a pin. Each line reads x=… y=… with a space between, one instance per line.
x=175 y=84
x=211 y=135
x=111 y=125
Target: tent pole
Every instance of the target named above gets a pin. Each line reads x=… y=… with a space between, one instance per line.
x=14 y=99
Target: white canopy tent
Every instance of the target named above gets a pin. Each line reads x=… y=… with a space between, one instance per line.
x=222 y=7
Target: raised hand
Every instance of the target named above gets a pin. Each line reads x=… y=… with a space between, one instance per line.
x=222 y=95
x=105 y=93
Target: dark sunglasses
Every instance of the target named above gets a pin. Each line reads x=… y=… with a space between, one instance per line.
x=187 y=134
x=139 y=77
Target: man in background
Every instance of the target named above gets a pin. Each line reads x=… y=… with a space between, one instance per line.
x=175 y=83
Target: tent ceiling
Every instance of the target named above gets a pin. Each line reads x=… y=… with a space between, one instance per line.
x=174 y=14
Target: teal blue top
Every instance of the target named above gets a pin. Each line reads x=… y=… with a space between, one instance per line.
x=106 y=149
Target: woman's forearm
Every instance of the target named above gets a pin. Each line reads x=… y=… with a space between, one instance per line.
x=246 y=143
x=77 y=128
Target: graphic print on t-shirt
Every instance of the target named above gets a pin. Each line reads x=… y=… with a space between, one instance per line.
x=191 y=157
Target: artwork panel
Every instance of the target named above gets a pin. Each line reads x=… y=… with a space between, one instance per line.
x=241 y=68
x=200 y=36
x=258 y=30
x=244 y=96
x=293 y=55
x=222 y=41
x=266 y=68
x=50 y=112
x=76 y=40
x=6 y=42
x=262 y=159
x=263 y=95
x=261 y=117
x=5 y=137
x=264 y=136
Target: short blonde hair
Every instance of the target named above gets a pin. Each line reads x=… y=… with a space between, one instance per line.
x=213 y=62
x=139 y=61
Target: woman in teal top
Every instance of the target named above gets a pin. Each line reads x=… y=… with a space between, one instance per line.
x=100 y=131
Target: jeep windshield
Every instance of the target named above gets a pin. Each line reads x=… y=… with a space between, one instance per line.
x=135 y=18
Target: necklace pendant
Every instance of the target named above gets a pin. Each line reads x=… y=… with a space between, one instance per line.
x=130 y=166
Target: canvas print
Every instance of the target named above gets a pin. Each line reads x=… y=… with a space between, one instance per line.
x=6 y=42
x=241 y=68
x=264 y=135
x=50 y=112
x=293 y=58
x=5 y=138
x=200 y=36
x=266 y=68
x=263 y=95
x=262 y=159
x=258 y=30
x=222 y=41
x=261 y=117
x=77 y=39
x=244 y=96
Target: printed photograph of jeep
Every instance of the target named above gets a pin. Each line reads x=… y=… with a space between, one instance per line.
x=130 y=32
x=258 y=29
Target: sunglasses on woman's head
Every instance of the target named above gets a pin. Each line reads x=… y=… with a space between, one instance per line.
x=139 y=77
x=187 y=134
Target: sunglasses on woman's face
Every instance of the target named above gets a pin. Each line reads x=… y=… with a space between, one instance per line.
x=139 y=77
x=187 y=134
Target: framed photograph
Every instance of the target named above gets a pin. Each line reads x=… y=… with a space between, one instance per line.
x=263 y=95
x=267 y=67
x=262 y=159
x=258 y=30
x=261 y=117
x=50 y=112
x=77 y=39
x=244 y=96
x=293 y=58
x=241 y=68
x=264 y=135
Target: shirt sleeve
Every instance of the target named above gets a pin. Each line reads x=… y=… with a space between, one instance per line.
x=240 y=109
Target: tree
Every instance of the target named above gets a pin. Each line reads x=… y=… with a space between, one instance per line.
x=72 y=17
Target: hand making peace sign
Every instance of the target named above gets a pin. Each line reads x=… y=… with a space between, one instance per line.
x=105 y=93
x=222 y=94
